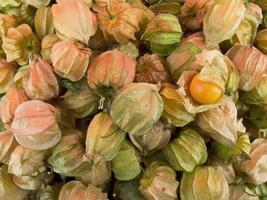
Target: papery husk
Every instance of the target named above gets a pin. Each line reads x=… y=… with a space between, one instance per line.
x=159 y=182
x=247 y=29
x=205 y=182
x=7 y=72
x=10 y=3
x=6 y=22
x=179 y=152
x=104 y=139
x=40 y=83
x=220 y=123
x=49 y=192
x=192 y=13
x=211 y=66
x=237 y=192
x=33 y=182
x=155 y=139
x=261 y=41
x=24 y=161
x=67 y=157
x=26 y=15
x=111 y=69
x=98 y=175
x=126 y=165
x=8 y=188
x=221 y=21
x=255 y=167
x=74 y=20
x=7 y=145
x=75 y=190
x=9 y=103
x=251 y=64
x=70 y=60
x=166 y=6
x=182 y=59
x=257 y=95
x=136 y=108
x=225 y=168
x=162 y=34
x=43 y=22
x=231 y=154
x=47 y=43
x=128 y=190
x=198 y=39
x=18 y=78
x=129 y=48
x=36 y=3
x=82 y=103
x=20 y=44
x=119 y=21
x=66 y=120
x=174 y=111
x=151 y=68
x=35 y=125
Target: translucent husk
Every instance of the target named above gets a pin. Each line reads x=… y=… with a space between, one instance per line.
x=35 y=125
x=220 y=123
x=6 y=22
x=151 y=69
x=40 y=82
x=247 y=30
x=257 y=95
x=20 y=44
x=251 y=65
x=77 y=190
x=231 y=154
x=33 y=182
x=36 y=3
x=8 y=188
x=98 y=175
x=238 y=192
x=162 y=34
x=192 y=13
x=124 y=112
x=67 y=156
x=47 y=43
x=104 y=139
x=25 y=162
x=82 y=103
x=261 y=41
x=7 y=72
x=213 y=184
x=126 y=165
x=155 y=139
x=174 y=111
x=119 y=21
x=7 y=146
x=182 y=59
x=255 y=167
x=71 y=63
x=43 y=22
x=221 y=21
x=179 y=152
x=74 y=20
x=8 y=104
x=159 y=182
x=111 y=69
x=166 y=6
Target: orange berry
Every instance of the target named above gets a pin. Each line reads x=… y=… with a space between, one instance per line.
x=203 y=91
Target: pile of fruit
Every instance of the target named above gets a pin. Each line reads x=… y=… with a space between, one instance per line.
x=133 y=100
